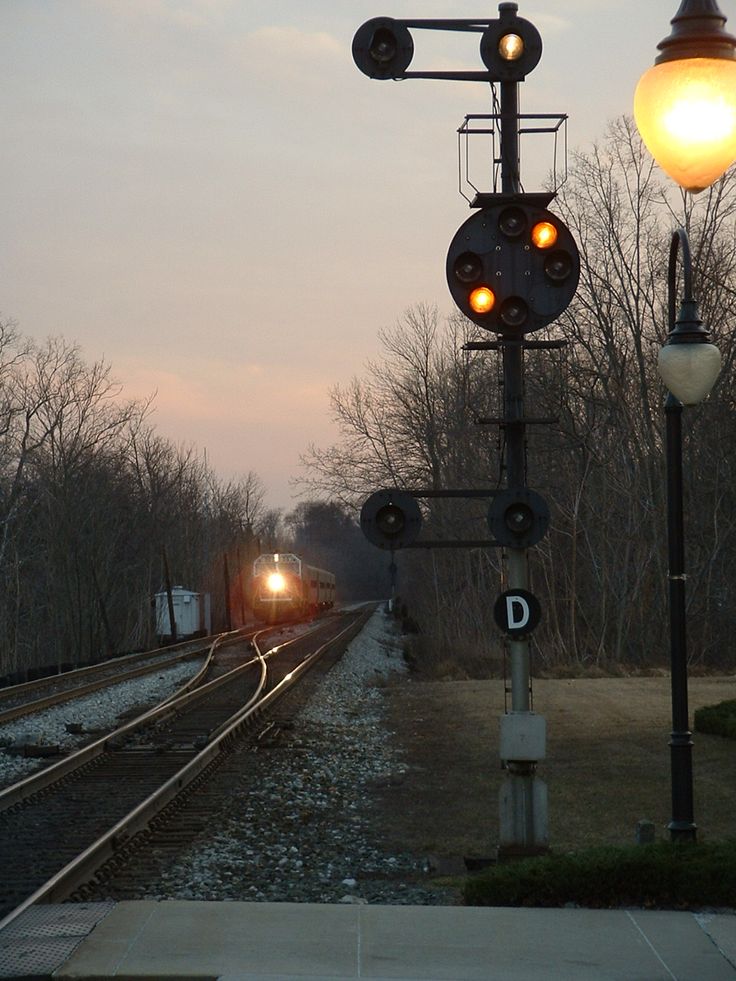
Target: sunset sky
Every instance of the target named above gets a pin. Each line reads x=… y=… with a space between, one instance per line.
x=211 y=196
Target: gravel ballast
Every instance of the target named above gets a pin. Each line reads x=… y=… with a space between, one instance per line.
x=298 y=826
x=97 y=713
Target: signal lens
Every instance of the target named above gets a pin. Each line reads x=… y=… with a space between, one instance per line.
x=276 y=582
x=558 y=266
x=481 y=300
x=514 y=311
x=382 y=48
x=512 y=222
x=468 y=268
x=544 y=235
x=511 y=47
x=390 y=520
x=519 y=518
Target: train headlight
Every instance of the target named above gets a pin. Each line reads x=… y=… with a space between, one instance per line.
x=276 y=582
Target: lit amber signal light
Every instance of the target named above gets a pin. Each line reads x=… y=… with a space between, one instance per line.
x=511 y=47
x=544 y=235
x=481 y=300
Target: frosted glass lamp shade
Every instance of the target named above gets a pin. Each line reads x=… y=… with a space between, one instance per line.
x=685 y=111
x=689 y=370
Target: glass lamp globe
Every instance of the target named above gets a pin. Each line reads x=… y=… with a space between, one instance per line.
x=689 y=370
x=685 y=110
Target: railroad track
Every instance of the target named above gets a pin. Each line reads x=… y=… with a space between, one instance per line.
x=34 y=696
x=77 y=822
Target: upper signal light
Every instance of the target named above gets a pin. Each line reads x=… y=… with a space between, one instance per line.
x=383 y=48
x=544 y=235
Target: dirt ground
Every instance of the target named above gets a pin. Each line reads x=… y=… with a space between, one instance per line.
x=607 y=763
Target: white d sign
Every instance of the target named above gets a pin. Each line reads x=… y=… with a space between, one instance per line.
x=517 y=612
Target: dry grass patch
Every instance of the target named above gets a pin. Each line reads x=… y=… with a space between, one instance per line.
x=607 y=762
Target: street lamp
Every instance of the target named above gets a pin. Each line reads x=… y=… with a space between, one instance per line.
x=689 y=366
x=685 y=109
x=685 y=105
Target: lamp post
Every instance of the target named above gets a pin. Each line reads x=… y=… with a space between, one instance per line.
x=685 y=109
x=688 y=365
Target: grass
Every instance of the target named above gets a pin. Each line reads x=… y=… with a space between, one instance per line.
x=717 y=720
x=662 y=876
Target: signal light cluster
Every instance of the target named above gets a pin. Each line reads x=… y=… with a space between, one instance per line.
x=513 y=267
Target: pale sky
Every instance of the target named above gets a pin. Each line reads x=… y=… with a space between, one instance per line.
x=212 y=197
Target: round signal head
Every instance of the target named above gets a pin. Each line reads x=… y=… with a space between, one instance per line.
x=510 y=47
x=544 y=235
x=391 y=519
x=482 y=300
x=518 y=517
x=382 y=48
x=513 y=267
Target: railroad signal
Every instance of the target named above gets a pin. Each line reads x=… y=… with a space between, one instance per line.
x=383 y=48
x=391 y=519
x=513 y=267
x=511 y=47
x=518 y=517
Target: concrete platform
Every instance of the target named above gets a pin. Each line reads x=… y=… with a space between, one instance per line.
x=308 y=942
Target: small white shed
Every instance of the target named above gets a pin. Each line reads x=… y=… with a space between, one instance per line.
x=187 y=612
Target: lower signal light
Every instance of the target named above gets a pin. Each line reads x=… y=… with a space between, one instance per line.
x=481 y=300
x=514 y=312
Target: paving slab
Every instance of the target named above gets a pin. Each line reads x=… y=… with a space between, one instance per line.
x=309 y=942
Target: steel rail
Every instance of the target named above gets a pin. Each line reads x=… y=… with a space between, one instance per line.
x=32 y=784
x=12 y=691
x=70 y=694
x=113 y=843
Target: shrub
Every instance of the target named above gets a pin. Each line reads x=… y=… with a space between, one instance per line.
x=718 y=720
x=663 y=875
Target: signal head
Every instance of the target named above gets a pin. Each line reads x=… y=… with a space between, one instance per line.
x=382 y=48
x=518 y=517
x=391 y=519
x=513 y=267
x=510 y=47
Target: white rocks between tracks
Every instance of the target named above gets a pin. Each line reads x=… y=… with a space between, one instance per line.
x=98 y=712
x=300 y=828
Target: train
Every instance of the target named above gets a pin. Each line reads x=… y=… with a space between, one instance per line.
x=284 y=588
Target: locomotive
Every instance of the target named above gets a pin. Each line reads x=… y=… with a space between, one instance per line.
x=286 y=588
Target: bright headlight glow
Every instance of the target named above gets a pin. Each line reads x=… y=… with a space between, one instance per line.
x=276 y=582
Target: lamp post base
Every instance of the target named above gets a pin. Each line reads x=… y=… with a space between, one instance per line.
x=682 y=830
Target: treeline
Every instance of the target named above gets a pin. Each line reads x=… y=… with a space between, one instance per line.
x=601 y=573
x=90 y=497
x=94 y=505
